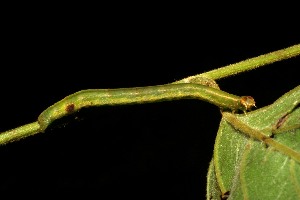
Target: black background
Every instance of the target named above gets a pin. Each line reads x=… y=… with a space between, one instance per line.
x=153 y=151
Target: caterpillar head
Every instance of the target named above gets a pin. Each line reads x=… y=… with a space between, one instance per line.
x=247 y=102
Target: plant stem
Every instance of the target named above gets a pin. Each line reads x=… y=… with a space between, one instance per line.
x=256 y=134
x=34 y=127
x=19 y=133
x=248 y=64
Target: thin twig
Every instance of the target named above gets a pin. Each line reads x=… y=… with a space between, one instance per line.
x=248 y=64
x=34 y=127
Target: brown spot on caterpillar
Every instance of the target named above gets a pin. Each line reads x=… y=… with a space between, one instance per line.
x=70 y=108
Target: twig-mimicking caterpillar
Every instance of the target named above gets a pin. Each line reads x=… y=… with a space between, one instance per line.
x=100 y=97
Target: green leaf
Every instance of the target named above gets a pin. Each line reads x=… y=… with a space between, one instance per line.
x=257 y=155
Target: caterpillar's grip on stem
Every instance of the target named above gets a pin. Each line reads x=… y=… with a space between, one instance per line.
x=100 y=97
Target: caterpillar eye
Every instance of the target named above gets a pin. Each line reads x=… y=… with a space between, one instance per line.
x=247 y=102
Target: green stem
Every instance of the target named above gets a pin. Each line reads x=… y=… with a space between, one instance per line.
x=19 y=133
x=34 y=128
x=239 y=125
x=248 y=64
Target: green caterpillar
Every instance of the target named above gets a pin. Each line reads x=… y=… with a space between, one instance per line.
x=100 y=97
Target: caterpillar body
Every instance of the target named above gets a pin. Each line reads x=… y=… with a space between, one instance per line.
x=101 y=97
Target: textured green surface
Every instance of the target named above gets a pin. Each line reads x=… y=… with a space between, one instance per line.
x=204 y=88
x=257 y=156
x=19 y=133
x=100 y=97
x=253 y=63
x=212 y=189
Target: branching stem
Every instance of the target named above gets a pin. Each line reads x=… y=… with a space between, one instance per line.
x=233 y=69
